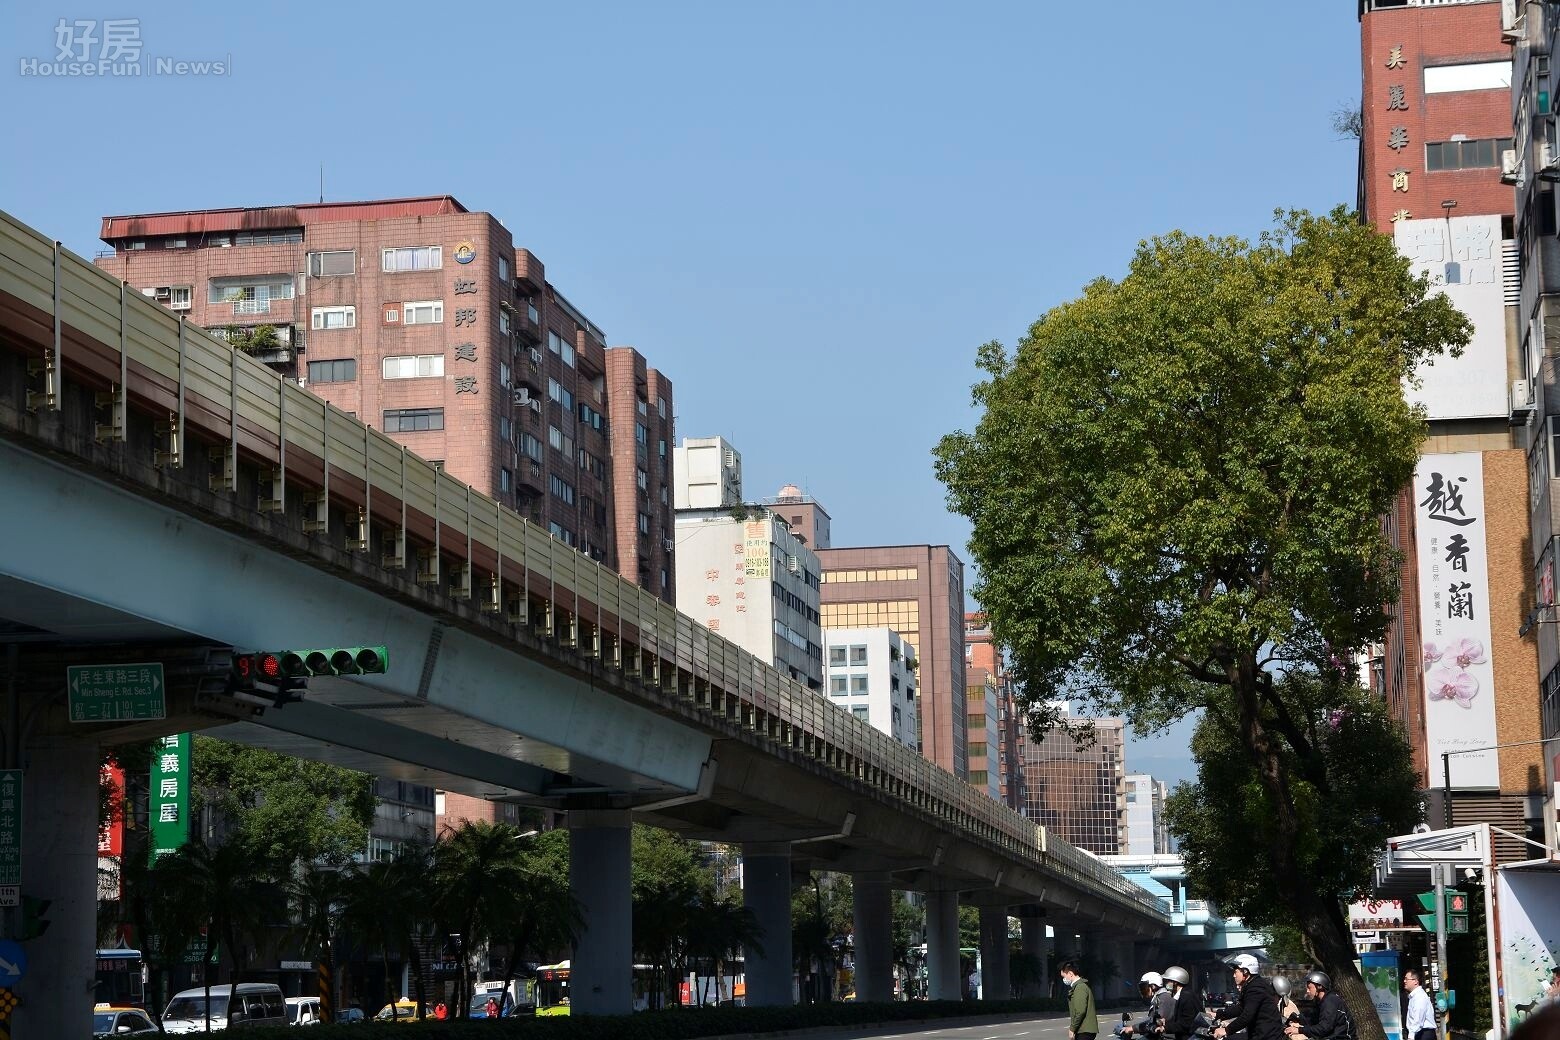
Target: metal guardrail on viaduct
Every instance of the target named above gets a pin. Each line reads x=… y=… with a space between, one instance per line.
x=275 y=448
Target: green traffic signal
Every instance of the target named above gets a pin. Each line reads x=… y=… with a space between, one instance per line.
x=336 y=660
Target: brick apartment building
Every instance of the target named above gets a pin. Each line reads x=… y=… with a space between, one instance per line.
x=981 y=654
x=1436 y=121
x=426 y=321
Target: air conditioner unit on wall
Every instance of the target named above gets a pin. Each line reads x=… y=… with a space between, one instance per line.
x=1521 y=396
x=522 y=395
x=668 y=544
x=1510 y=166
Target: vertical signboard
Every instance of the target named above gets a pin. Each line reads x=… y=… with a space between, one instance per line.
x=1529 y=941
x=170 y=794
x=111 y=833
x=10 y=837
x=1454 y=618
x=1380 y=968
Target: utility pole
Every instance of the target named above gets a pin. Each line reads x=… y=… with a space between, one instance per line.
x=1441 y=872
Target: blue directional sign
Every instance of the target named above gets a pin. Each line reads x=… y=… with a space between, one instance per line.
x=13 y=963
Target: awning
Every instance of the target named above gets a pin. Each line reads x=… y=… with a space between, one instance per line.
x=1404 y=868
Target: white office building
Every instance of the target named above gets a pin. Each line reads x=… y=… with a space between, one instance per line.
x=755 y=583
x=872 y=673
x=1147 y=833
x=706 y=474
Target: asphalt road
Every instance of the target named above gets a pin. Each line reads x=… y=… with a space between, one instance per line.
x=1046 y=1027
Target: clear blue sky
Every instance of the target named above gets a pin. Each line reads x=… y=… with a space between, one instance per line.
x=807 y=214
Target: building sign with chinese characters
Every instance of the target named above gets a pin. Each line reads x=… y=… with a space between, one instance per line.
x=10 y=837
x=756 y=551
x=115 y=692
x=1462 y=258
x=170 y=794
x=1454 y=613
x=1374 y=915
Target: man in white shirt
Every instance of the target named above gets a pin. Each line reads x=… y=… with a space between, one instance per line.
x=1420 y=1023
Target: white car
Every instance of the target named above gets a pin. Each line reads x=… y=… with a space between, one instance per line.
x=303 y=1011
x=258 y=1004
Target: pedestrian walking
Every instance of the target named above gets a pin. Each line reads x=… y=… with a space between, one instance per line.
x=440 y=1011
x=1420 y=1021
x=1083 y=1020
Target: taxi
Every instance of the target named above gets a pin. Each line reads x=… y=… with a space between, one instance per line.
x=112 y=1020
x=403 y=1010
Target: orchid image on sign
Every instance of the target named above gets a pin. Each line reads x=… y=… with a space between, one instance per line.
x=1448 y=683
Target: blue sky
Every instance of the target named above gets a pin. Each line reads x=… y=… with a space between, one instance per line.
x=808 y=214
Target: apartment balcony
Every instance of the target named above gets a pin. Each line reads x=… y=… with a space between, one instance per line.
x=529 y=479
x=528 y=323
x=275 y=345
x=530 y=276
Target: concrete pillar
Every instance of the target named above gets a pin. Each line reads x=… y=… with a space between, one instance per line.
x=942 y=946
x=766 y=890
x=994 y=959
x=600 y=844
x=872 y=898
x=1033 y=943
x=59 y=863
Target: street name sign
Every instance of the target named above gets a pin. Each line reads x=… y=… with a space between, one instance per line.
x=10 y=837
x=116 y=692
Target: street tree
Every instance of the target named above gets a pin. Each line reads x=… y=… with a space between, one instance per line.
x=1176 y=488
x=546 y=918
x=284 y=809
x=479 y=876
x=317 y=896
x=667 y=884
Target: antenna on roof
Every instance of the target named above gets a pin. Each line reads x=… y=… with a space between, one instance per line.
x=322 y=182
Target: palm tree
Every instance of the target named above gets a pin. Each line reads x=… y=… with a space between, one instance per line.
x=372 y=897
x=479 y=878
x=317 y=894
x=226 y=890
x=721 y=929
x=549 y=918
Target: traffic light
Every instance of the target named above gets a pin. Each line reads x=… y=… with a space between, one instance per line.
x=1427 y=903
x=336 y=660
x=263 y=675
x=1456 y=910
x=33 y=923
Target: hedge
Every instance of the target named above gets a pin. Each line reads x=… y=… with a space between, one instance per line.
x=691 y=1023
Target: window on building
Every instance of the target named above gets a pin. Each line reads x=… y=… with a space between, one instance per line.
x=644 y=407
x=503 y=269
x=250 y=295
x=977 y=748
x=837 y=656
x=644 y=523
x=560 y=393
x=561 y=441
x=858 y=655
x=413 y=420
x=861 y=711
x=561 y=489
x=590 y=417
x=333 y=318
x=505 y=431
x=660 y=406
x=976 y=721
x=642 y=479
x=341 y=370
x=134 y=244
x=641 y=434
x=838 y=685
x=506 y=480
x=273 y=237
x=503 y=321
x=1465 y=155
x=423 y=312
x=414 y=366
x=978 y=777
x=530 y=447
x=563 y=534
x=333 y=263
x=858 y=685
x=411 y=258
x=560 y=346
x=176 y=243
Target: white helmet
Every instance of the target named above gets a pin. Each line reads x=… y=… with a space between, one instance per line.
x=1152 y=978
x=1247 y=963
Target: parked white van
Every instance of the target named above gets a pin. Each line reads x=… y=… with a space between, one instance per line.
x=256 y=1004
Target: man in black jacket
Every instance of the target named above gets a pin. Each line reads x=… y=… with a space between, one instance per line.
x=1329 y=1019
x=1257 y=1012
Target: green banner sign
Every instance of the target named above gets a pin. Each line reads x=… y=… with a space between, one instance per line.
x=170 y=794
x=116 y=692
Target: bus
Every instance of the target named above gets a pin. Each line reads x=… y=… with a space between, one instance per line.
x=552 y=989
x=121 y=978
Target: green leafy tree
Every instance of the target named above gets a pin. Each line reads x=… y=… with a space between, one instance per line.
x=317 y=896
x=721 y=929
x=668 y=886
x=283 y=809
x=547 y=918
x=1176 y=489
x=909 y=925
x=373 y=896
x=1371 y=792
x=479 y=874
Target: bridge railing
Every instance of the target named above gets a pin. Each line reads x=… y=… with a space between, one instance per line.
x=362 y=491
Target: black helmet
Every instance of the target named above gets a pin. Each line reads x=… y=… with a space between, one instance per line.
x=1320 y=980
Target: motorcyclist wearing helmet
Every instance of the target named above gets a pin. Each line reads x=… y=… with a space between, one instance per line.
x=1329 y=1020
x=1288 y=1011
x=1257 y=1012
x=1161 y=1005
x=1181 y=1020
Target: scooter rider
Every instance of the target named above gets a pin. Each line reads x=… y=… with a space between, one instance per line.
x=1288 y=1010
x=1161 y=1005
x=1181 y=1021
x=1257 y=1012
x=1329 y=1018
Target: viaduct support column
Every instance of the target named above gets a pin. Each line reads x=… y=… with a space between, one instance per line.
x=995 y=983
x=603 y=963
x=59 y=802
x=1032 y=943
x=942 y=946
x=766 y=890
x=872 y=901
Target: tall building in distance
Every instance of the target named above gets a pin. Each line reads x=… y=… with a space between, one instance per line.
x=982 y=653
x=428 y=322
x=981 y=723
x=1457 y=669
x=740 y=570
x=1079 y=793
x=871 y=672
x=918 y=591
x=1147 y=833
